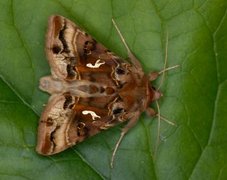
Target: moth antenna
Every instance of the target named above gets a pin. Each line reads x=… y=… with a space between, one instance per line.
x=165 y=61
x=158 y=131
x=169 y=68
x=161 y=82
x=157 y=104
x=121 y=36
x=132 y=122
x=166 y=120
x=153 y=76
x=159 y=126
x=131 y=56
x=116 y=147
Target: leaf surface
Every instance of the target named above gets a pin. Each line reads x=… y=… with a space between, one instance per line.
x=195 y=94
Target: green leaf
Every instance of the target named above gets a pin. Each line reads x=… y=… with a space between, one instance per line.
x=195 y=94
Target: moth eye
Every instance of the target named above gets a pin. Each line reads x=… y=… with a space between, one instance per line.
x=118 y=110
x=56 y=49
x=120 y=71
x=153 y=88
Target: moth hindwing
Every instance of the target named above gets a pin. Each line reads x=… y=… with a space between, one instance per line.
x=91 y=88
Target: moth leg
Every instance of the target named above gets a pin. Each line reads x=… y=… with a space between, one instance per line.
x=132 y=122
x=151 y=112
x=153 y=76
x=159 y=125
x=158 y=129
x=131 y=56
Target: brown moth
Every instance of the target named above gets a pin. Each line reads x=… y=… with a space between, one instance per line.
x=91 y=88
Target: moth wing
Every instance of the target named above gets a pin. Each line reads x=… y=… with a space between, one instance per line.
x=71 y=51
x=53 y=125
x=68 y=120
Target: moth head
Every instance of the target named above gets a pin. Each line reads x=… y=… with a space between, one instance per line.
x=154 y=94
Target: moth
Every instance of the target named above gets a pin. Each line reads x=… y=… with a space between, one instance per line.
x=92 y=89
